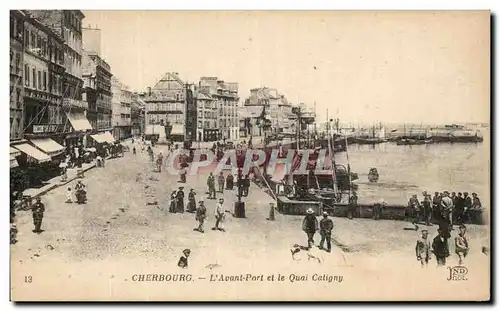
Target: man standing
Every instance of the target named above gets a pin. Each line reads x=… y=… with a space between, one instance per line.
x=461 y=244
x=159 y=162
x=211 y=186
x=310 y=226
x=440 y=248
x=423 y=249
x=414 y=209
x=180 y=200
x=326 y=227
x=436 y=206
x=38 y=209
x=219 y=215
x=458 y=211
x=220 y=180
x=427 y=209
x=467 y=206
x=447 y=208
x=353 y=203
x=201 y=214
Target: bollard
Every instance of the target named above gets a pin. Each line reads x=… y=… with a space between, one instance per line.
x=271 y=212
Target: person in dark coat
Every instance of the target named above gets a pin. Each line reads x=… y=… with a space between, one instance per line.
x=211 y=186
x=191 y=207
x=246 y=185
x=229 y=182
x=458 y=211
x=201 y=215
x=353 y=204
x=38 y=209
x=310 y=226
x=325 y=230
x=180 y=200
x=440 y=248
x=427 y=209
x=220 y=181
x=173 y=202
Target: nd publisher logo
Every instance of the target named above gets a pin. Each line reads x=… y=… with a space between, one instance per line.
x=457 y=273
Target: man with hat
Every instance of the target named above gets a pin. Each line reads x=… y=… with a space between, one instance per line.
x=219 y=215
x=38 y=209
x=325 y=230
x=180 y=200
x=201 y=214
x=423 y=248
x=310 y=226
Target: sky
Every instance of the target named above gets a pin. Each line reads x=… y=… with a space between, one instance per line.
x=416 y=67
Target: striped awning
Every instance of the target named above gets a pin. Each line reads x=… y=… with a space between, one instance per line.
x=31 y=151
x=48 y=146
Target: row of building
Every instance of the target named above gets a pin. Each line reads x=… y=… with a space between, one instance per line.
x=64 y=95
x=62 y=91
x=211 y=110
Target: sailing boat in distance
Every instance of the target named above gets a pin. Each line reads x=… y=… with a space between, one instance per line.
x=374 y=137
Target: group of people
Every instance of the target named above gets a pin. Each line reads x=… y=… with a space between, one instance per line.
x=310 y=226
x=439 y=247
x=200 y=211
x=452 y=208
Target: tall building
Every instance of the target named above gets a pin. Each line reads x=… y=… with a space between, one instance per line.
x=224 y=96
x=137 y=111
x=267 y=102
x=97 y=76
x=16 y=74
x=208 y=116
x=166 y=108
x=121 y=102
x=43 y=82
x=67 y=24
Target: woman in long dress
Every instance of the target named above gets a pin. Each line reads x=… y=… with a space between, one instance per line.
x=173 y=201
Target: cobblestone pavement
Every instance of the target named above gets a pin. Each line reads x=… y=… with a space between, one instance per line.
x=116 y=235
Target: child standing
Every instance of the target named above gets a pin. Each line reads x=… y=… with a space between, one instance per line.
x=69 y=196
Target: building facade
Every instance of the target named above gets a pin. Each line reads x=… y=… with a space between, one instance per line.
x=43 y=82
x=67 y=24
x=137 y=111
x=266 y=103
x=224 y=102
x=17 y=19
x=121 y=102
x=97 y=76
x=165 y=105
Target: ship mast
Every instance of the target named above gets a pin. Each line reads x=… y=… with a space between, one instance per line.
x=332 y=154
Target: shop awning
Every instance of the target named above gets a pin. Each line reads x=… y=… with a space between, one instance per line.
x=99 y=138
x=33 y=152
x=108 y=137
x=79 y=122
x=48 y=146
x=103 y=138
x=13 y=154
x=177 y=129
x=155 y=129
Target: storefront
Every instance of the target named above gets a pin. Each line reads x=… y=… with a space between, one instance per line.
x=177 y=132
x=80 y=126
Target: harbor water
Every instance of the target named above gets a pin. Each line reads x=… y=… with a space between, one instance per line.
x=407 y=170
